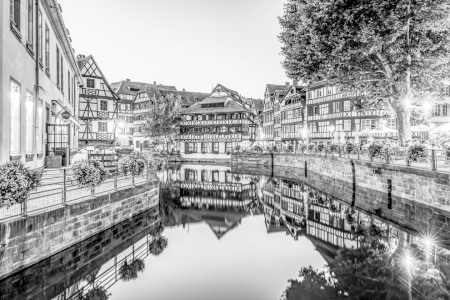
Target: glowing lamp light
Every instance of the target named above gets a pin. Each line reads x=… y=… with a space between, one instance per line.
x=407 y=260
x=121 y=124
x=428 y=242
x=427 y=106
x=408 y=101
x=304 y=132
x=332 y=129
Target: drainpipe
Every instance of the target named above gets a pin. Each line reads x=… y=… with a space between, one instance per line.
x=36 y=98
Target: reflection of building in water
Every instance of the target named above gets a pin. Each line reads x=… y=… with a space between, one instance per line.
x=214 y=195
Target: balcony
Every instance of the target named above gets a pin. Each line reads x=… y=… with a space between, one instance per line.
x=95 y=136
x=214 y=137
x=348 y=114
x=214 y=122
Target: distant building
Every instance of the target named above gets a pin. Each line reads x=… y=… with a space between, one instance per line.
x=211 y=129
x=331 y=114
x=441 y=109
x=98 y=107
x=40 y=78
x=268 y=109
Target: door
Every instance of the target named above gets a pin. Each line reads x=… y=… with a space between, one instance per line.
x=58 y=141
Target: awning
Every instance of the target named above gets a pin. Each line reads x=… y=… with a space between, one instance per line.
x=58 y=109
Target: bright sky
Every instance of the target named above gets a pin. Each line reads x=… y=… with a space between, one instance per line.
x=192 y=44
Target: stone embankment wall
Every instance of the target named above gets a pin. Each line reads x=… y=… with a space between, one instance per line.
x=52 y=276
x=418 y=199
x=26 y=241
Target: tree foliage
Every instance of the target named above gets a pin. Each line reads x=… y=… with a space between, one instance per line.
x=386 y=50
x=163 y=119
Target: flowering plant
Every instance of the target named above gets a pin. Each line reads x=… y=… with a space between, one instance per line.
x=129 y=271
x=417 y=153
x=257 y=148
x=302 y=147
x=158 y=245
x=96 y=293
x=349 y=147
x=333 y=147
x=375 y=149
x=16 y=183
x=89 y=173
x=320 y=147
x=311 y=146
x=132 y=163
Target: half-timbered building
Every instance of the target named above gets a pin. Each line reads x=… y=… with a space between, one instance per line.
x=211 y=129
x=98 y=105
x=279 y=95
x=331 y=114
x=293 y=119
x=268 y=109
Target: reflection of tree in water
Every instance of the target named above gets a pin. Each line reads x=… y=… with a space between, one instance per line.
x=376 y=270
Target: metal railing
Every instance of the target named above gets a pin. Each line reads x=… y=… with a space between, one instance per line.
x=433 y=160
x=59 y=188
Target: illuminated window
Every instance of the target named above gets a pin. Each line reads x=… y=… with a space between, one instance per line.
x=29 y=124
x=347 y=125
x=14 y=129
x=347 y=105
x=102 y=127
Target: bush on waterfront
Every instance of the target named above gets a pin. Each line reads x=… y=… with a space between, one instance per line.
x=257 y=148
x=96 y=293
x=130 y=271
x=157 y=245
x=349 y=147
x=333 y=148
x=302 y=148
x=311 y=146
x=89 y=173
x=375 y=150
x=417 y=153
x=17 y=182
x=133 y=164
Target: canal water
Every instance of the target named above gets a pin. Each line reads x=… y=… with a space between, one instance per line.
x=222 y=234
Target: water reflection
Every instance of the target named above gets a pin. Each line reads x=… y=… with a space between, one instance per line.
x=243 y=235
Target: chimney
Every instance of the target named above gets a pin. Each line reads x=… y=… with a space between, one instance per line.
x=154 y=82
x=184 y=90
x=288 y=85
x=295 y=82
x=81 y=56
x=128 y=79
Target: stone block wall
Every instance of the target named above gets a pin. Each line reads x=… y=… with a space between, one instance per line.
x=28 y=240
x=50 y=277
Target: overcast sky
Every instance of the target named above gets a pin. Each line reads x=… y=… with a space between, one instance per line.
x=192 y=44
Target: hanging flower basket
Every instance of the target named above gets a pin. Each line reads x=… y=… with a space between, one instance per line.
x=133 y=164
x=417 y=153
x=349 y=147
x=321 y=147
x=130 y=271
x=333 y=148
x=17 y=182
x=96 y=293
x=311 y=147
x=89 y=173
x=375 y=150
x=158 y=245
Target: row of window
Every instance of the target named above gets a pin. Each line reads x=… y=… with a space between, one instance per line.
x=232 y=116
x=33 y=121
x=346 y=125
x=210 y=176
x=214 y=129
x=212 y=147
x=440 y=110
x=43 y=35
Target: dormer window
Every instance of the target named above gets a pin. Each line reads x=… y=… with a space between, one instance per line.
x=134 y=89
x=210 y=105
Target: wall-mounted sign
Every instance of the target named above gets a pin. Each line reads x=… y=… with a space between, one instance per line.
x=65 y=115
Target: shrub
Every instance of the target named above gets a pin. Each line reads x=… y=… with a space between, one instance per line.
x=302 y=147
x=133 y=164
x=375 y=149
x=89 y=173
x=16 y=183
x=333 y=148
x=349 y=147
x=155 y=161
x=257 y=148
x=417 y=152
x=311 y=147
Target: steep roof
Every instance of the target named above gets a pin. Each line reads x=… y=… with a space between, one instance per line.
x=82 y=60
x=271 y=88
x=187 y=98
x=126 y=86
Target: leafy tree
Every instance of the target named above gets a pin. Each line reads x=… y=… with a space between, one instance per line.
x=391 y=52
x=163 y=119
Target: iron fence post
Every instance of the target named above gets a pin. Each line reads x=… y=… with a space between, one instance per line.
x=64 y=197
x=24 y=208
x=387 y=156
x=433 y=160
x=115 y=177
x=93 y=191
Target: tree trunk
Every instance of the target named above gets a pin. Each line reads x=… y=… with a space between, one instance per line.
x=403 y=122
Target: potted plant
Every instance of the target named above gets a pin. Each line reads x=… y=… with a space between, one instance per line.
x=311 y=146
x=349 y=147
x=17 y=182
x=321 y=147
x=375 y=150
x=302 y=148
x=89 y=173
x=333 y=148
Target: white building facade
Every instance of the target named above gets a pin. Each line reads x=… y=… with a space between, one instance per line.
x=39 y=80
